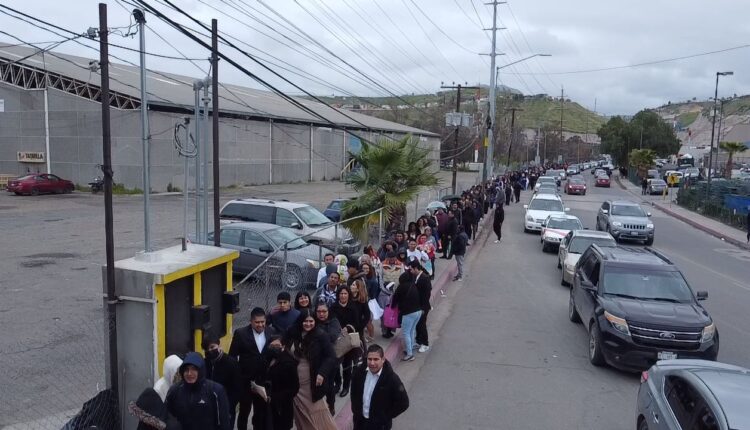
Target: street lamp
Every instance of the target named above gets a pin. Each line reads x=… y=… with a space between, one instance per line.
x=713 y=130
x=497 y=70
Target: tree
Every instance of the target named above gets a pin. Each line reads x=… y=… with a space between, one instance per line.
x=731 y=148
x=642 y=159
x=388 y=175
x=647 y=130
x=614 y=137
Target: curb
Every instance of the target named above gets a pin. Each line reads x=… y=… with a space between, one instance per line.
x=699 y=226
x=344 y=418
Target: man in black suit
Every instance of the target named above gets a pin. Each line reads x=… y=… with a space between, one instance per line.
x=250 y=346
x=378 y=396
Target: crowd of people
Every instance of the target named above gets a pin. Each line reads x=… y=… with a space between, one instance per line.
x=288 y=365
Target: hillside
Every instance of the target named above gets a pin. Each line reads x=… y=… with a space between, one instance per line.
x=533 y=111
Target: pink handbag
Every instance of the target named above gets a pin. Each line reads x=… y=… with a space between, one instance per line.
x=390 y=317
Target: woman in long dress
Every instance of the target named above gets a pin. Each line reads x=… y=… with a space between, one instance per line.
x=316 y=363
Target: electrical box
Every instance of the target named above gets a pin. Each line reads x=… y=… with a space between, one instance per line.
x=167 y=301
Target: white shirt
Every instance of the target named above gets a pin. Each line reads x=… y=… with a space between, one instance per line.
x=417 y=255
x=321 y=275
x=260 y=340
x=370 y=381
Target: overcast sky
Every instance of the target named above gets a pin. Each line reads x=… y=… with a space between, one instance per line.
x=405 y=46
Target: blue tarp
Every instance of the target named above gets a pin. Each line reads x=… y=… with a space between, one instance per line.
x=736 y=202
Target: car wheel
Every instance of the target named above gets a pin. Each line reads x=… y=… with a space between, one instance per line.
x=559 y=266
x=643 y=425
x=292 y=277
x=545 y=247
x=17 y=193
x=525 y=230
x=584 y=193
x=595 y=346
x=68 y=190
x=649 y=241
x=34 y=192
x=572 y=312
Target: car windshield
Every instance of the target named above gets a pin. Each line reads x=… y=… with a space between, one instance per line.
x=564 y=224
x=579 y=244
x=647 y=285
x=280 y=236
x=311 y=216
x=336 y=205
x=627 y=210
x=546 y=205
x=546 y=189
x=576 y=181
x=25 y=177
x=546 y=180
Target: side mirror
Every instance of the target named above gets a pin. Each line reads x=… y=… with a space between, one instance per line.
x=605 y=211
x=701 y=295
x=296 y=225
x=266 y=249
x=525 y=206
x=648 y=213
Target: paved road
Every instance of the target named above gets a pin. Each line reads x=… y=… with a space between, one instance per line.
x=508 y=358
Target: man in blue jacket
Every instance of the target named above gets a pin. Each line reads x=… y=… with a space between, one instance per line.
x=196 y=402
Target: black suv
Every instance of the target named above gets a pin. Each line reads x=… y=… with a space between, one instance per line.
x=638 y=309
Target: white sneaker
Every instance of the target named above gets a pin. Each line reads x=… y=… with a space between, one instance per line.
x=424 y=348
x=496 y=241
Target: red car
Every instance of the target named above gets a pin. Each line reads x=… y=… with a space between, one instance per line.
x=602 y=181
x=575 y=186
x=40 y=183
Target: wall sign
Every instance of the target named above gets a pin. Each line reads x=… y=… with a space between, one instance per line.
x=31 y=157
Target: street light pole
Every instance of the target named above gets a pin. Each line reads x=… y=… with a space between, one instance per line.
x=713 y=131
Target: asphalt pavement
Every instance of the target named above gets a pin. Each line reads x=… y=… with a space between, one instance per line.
x=506 y=355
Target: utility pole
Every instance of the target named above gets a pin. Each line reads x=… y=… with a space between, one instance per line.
x=713 y=129
x=490 y=148
x=140 y=18
x=108 y=217
x=458 y=127
x=215 y=108
x=512 y=130
x=562 y=109
x=197 y=85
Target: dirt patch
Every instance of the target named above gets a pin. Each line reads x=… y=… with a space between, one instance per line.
x=53 y=255
x=37 y=263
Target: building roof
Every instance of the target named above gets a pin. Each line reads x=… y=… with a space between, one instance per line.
x=176 y=91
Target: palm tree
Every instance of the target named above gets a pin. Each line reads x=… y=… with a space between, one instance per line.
x=387 y=174
x=731 y=148
x=642 y=159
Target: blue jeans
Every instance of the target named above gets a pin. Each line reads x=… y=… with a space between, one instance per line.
x=409 y=330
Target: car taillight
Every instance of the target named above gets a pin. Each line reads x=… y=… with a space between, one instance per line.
x=644 y=376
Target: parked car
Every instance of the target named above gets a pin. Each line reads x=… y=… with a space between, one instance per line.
x=333 y=211
x=638 y=308
x=547 y=189
x=574 y=244
x=573 y=170
x=256 y=241
x=693 y=394
x=305 y=220
x=555 y=228
x=558 y=174
x=40 y=183
x=652 y=174
x=625 y=220
x=676 y=175
x=602 y=181
x=575 y=185
x=656 y=186
x=539 y=208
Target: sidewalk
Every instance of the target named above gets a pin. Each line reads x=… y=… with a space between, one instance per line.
x=393 y=347
x=708 y=225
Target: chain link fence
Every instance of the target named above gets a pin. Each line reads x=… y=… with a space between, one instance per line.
x=727 y=201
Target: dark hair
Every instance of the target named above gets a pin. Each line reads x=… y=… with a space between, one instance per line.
x=414 y=264
x=412 y=240
x=209 y=340
x=411 y=225
x=376 y=348
x=352 y=264
x=342 y=288
x=303 y=315
x=297 y=297
x=284 y=295
x=404 y=278
x=257 y=312
x=327 y=254
x=371 y=274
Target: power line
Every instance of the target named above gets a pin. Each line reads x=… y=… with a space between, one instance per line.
x=554 y=84
x=447 y=36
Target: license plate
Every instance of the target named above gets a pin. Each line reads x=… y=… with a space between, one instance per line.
x=666 y=355
x=634 y=233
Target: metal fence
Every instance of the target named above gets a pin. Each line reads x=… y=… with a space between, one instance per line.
x=293 y=268
x=714 y=205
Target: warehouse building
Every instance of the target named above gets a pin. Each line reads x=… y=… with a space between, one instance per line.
x=50 y=120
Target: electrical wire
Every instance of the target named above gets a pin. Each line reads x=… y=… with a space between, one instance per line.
x=528 y=45
x=440 y=29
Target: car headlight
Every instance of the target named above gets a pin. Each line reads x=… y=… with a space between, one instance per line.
x=553 y=238
x=617 y=224
x=313 y=263
x=649 y=225
x=620 y=324
x=708 y=332
x=529 y=218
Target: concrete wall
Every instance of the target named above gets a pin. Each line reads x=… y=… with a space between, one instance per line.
x=252 y=152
